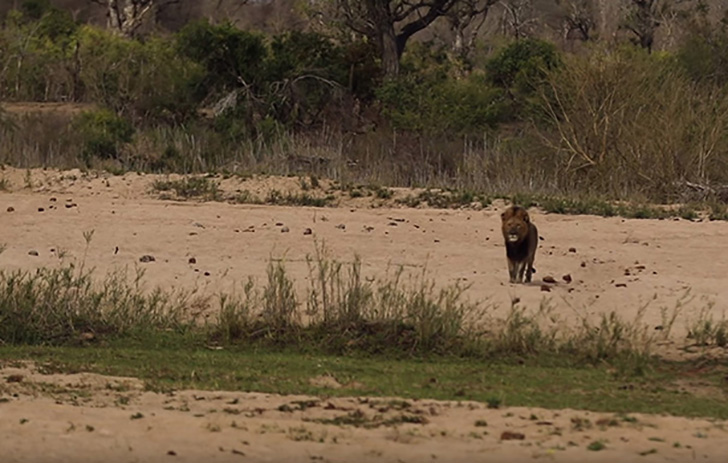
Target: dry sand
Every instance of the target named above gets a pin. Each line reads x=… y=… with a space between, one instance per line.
x=615 y=265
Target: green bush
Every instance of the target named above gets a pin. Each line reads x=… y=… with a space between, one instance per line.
x=441 y=107
x=231 y=57
x=145 y=81
x=522 y=66
x=102 y=133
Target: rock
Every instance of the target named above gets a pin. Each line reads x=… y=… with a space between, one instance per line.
x=566 y=278
x=207 y=274
x=15 y=379
x=11 y=209
x=621 y=285
x=147 y=258
x=510 y=435
x=279 y=224
x=191 y=260
x=33 y=253
x=583 y=264
x=545 y=288
x=285 y=230
x=308 y=231
x=549 y=279
x=341 y=226
x=53 y=200
x=40 y=209
x=572 y=249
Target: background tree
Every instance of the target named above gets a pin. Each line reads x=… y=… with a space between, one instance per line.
x=389 y=24
x=578 y=22
x=465 y=19
x=519 y=18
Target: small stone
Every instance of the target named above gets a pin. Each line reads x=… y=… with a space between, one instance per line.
x=147 y=258
x=621 y=285
x=53 y=200
x=15 y=379
x=572 y=249
x=510 y=435
x=40 y=209
x=566 y=278
x=192 y=260
x=172 y=453
x=341 y=226
x=549 y=279
x=545 y=288
x=11 y=209
x=308 y=231
x=33 y=253
x=279 y=224
x=583 y=264
x=207 y=274
x=285 y=230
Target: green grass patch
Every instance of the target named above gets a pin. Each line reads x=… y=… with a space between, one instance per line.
x=191 y=187
x=534 y=384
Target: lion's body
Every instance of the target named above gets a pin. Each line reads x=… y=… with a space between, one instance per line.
x=521 y=237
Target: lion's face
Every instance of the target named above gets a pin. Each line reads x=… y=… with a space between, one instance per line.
x=515 y=224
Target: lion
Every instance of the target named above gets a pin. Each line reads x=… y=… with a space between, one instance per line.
x=521 y=238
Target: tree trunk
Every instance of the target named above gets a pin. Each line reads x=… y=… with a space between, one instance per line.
x=390 y=50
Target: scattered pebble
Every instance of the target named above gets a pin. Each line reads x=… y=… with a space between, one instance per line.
x=510 y=435
x=15 y=379
x=33 y=253
x=285 y=230
x=53 y=200
x=621 y=285
x=192 y=260
x=147 y=258
x=572 y=249
x=40 y=209
x=308 y=231
x=545 y=288
x=279 y=224
x=11 y=209
x=583 y=264
x=172 y=453
x=566 y=278
x=207 y=274
x=341 y=226
x=549 y=279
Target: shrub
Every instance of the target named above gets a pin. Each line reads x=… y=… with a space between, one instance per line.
x=522 y=66
x=231 y=57
x=624 y=122
x=102 y=133
x=146 y=81
x=440 y=107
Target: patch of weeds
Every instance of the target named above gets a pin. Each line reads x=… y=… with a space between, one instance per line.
x=213 y=427
x=481 y=423
x=137 y=416
x=494 y=402
x=299 y=405
x=628 y=419
x=705 y=331
x=4 y=184
x=382 y=192
x=648 y=452
x=191 y=187
x=359 y=420
x=717 y=211
x=580 y=424
x=245 y=197
x=596 y=446
x=277 y=198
